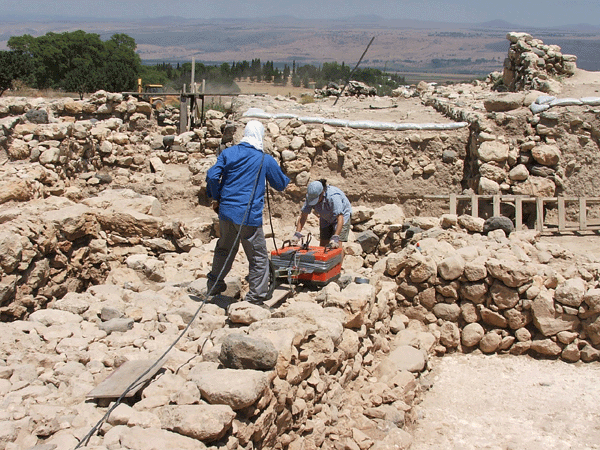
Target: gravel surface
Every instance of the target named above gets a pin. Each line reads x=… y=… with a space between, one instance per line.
x=509 y=403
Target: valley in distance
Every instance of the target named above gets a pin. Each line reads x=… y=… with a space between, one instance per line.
x=429 y=51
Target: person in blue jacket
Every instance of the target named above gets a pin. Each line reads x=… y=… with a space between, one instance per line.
x=238 y=193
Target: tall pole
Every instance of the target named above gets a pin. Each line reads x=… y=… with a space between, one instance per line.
x=354 y=70
x=193 y=82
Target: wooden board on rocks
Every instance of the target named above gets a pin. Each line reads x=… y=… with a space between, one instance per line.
x=115 y=385
x=280 y=293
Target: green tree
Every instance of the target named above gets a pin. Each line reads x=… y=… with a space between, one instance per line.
x=81 y=78
x=296 y=80
x=13 y=66
x=122 y=64
x=286 y=74
x=305 y=81
x=79 y=61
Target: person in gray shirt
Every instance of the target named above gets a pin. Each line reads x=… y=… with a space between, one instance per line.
x=334 y=211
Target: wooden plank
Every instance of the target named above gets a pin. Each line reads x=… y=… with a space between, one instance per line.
x=562 y=220
x=539 y=214
x=475 y=206
x=183 y=114
x=280 y=293
x=582 y=213
x=452 y=203
x=124 y=376
x=518 y=213
x=496 y=205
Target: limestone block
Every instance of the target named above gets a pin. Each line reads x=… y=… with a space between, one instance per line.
x=492 y=172
x=493 y=318
x=18 y=149
x=471 y=223
x=472 y=334
x=545 y=347
x=519 y=173
x=206 y=423
x=512 y=273
x=503 y=296
x=11 y=250
x=571 y=292
x=546 y=154
x=451 y=267
x=504 y=102
x=236 y=388
x=493 y=151
x=450 y=335
x=535 y=187
x=447 y=311
x=548 y=321
x=490 y=342
x=240 y=351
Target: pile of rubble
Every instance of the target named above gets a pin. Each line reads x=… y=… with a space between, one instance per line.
x=353 y=88
x=531 y=64
x=329 y=366
x=519 y=144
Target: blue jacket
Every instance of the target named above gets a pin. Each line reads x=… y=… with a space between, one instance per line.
x=231 y=180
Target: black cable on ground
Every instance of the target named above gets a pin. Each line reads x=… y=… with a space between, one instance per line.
x=84 y=441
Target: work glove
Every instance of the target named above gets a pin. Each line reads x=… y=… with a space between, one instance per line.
x=335 y=241
x=296 y=238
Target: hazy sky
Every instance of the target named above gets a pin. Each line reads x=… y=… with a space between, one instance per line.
x=522 y=12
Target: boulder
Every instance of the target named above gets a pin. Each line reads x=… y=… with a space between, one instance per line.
x=205 y=423
x=547 y=320
x=236 y=388
x=472 y=334
x=239 y=351
x=498 y=223
x=368 y=241
x=504 y=102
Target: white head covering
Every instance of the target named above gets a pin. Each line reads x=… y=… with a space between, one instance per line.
x=253 y=134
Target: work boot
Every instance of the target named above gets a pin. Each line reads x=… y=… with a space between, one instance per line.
x=220 y=287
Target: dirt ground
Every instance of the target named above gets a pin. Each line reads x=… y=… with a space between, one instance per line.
x=509 y=403
x=582 y=84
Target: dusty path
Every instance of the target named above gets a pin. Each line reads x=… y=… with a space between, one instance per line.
x=509 y=403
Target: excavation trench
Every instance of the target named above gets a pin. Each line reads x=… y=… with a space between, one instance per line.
x=106 y=232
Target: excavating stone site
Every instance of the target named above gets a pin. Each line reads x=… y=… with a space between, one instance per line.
x=464 y=317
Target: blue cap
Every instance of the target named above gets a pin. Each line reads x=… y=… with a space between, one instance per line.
x=313 y=191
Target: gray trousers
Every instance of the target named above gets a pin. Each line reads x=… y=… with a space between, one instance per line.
x=255 y=246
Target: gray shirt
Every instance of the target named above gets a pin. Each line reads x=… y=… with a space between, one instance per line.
x=334 y=203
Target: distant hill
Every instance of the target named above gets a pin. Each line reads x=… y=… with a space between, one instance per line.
x=400 y=45
x=501 y=24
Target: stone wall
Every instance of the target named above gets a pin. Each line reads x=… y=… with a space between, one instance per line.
x=496 y=293
x=81 y=146
x=516 y=151
x=55 y=246
x=533 y=65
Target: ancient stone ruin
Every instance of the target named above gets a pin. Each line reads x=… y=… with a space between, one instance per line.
x=106 y=232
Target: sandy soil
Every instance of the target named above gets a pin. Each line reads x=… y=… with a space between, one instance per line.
x=582 y=84
x=509 y=403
